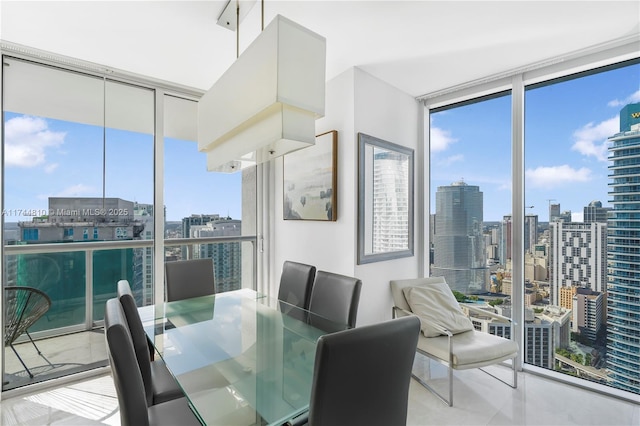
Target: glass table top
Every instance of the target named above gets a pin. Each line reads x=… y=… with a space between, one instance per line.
x=241 y=358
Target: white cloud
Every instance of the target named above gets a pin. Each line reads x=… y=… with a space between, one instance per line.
x=50 y=168
x=27 y=139
x=591 y=139
x=633 y=98
x=554 y=176
x=450 y=160
x=440 y=139
x=78 y=190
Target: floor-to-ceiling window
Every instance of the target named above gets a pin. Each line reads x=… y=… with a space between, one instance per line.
x=580 y=209
x=470 y=176
x=212 y=209
x=81 y=176
x=585 y=187
x=78 y=169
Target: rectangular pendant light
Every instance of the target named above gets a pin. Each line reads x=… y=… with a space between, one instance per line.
x=265 y=105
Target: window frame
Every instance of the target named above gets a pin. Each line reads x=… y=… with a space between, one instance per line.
x=602 y=58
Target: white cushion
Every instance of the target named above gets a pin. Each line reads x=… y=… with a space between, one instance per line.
x=436 y=304
x=470 y=349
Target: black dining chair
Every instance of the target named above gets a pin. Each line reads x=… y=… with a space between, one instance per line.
x=189 y=278
x=296 y=282
x=334 y=301
x=361 y=376
x=132 y=400
x=159 y=384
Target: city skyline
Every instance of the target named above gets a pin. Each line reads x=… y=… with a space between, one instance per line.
x=566 y=131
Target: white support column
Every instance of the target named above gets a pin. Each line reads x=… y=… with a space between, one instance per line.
x=158 y=200
x=265 y=224
x=422 y=190
x=517 y=208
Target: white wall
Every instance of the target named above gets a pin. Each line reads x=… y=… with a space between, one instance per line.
x=386 y=113
x=355 y=102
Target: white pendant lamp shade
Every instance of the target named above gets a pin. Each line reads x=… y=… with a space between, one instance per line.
x=266 y=103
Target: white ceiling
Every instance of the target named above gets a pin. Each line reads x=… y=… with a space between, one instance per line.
x=417 y=46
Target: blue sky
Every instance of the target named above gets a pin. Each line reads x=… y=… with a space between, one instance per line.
x=566 y=130
x=46 y=157
x=567 y=125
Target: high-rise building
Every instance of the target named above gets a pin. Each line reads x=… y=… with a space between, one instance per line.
x=623 y=295
x=73 y=219
x=142 y=285
x=505 y=240
x=589 y=313
x=544 y=333
x=535 y=267
x=432 y=231
x=488 y=323
x=556 y=216
x=577 y=257
x=530 y=236
x=227 y=256
x=594 y=212
x=566 y=296
x=459 y=252
x=565 y=216
x=62 y=275
x=492 y=242
x=196 y=220
x=390 y=214
x=530 y=232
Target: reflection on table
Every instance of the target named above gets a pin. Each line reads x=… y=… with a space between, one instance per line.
x=240 y=358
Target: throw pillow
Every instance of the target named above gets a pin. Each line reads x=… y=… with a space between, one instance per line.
x=436 y=304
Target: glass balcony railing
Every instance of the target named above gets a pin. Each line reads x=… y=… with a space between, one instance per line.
x=80 y=277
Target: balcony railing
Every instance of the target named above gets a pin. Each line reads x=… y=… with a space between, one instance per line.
x=80 y=277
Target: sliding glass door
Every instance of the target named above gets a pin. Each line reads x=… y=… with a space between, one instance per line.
x=82 y=170
x=78 y=192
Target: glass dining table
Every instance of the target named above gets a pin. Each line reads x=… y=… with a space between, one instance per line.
x=241 y=358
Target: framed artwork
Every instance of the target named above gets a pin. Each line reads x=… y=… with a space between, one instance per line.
x=385 y=200
x=310 y=180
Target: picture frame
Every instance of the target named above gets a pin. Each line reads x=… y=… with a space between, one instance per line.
x=385 y=200
x=310 y=181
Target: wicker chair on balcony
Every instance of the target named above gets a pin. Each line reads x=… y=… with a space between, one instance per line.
x=23 y=307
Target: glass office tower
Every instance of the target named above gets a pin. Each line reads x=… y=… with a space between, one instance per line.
x=623 y=298
x=459 y=251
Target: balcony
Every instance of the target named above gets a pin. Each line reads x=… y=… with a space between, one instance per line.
x=79 y=278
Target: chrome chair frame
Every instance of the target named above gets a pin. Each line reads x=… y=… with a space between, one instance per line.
x=398 y=312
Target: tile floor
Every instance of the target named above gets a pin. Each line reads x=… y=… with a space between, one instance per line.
x=479 y=400
x=61 y=355
x=482 y=400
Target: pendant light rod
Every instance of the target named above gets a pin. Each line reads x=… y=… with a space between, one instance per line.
x=237 y=29
x=227 y=18
x=266 y=103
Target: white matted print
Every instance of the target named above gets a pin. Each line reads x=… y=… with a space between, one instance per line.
x=310 y=180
